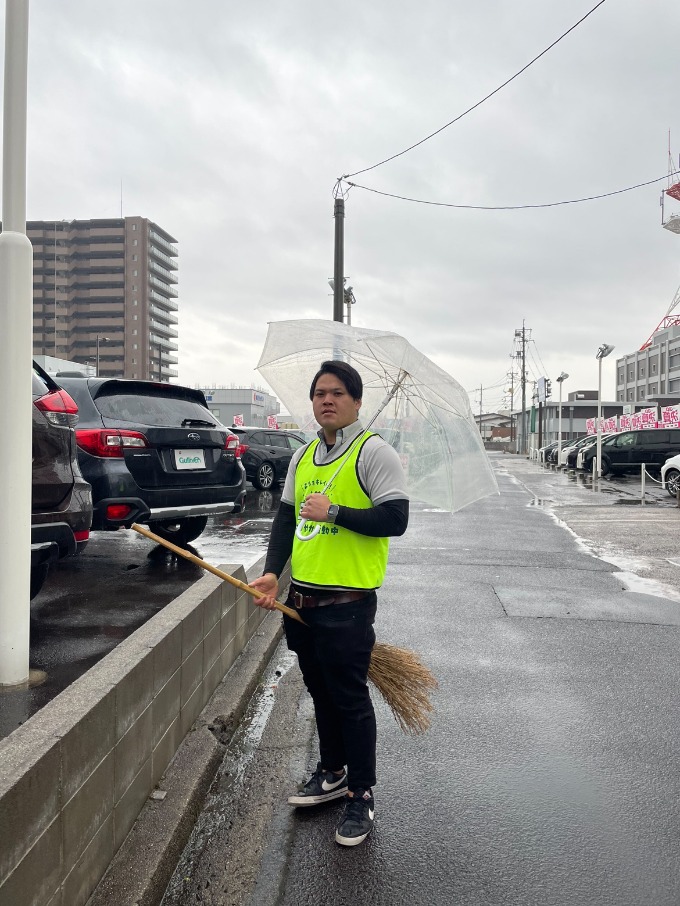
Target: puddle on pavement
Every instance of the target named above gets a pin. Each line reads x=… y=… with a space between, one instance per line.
x=627 y=567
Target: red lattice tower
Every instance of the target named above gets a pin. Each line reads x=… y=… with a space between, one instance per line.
x=668 y=320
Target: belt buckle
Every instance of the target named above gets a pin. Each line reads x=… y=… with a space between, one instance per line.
x=297 y=600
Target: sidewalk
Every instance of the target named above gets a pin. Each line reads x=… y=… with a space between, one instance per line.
x=549 y=775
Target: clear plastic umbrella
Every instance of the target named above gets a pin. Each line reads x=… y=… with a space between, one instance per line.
x=412 y=403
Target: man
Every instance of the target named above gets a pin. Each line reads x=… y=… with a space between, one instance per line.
x=334 y=577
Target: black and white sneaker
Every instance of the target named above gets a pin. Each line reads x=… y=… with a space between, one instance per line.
x=357 y=822
x=322 y=786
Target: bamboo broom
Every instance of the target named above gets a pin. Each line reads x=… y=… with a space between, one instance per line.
x=400 y=677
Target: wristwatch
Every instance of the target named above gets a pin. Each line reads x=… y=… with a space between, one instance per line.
x=332 y=513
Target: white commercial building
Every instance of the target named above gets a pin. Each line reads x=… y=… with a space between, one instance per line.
x=253 y=405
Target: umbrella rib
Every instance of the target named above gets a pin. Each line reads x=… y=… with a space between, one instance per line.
x=381 y=366
x=414 y=399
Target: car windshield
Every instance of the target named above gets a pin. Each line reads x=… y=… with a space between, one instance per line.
x=154 y=409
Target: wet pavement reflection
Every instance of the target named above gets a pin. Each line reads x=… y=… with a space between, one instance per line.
x=90 y=603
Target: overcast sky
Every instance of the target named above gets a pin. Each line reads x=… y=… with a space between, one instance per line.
x=228 y=125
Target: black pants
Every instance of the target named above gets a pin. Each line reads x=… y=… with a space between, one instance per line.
x=334 y=653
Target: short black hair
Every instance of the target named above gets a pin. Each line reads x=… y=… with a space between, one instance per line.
x=349 y=376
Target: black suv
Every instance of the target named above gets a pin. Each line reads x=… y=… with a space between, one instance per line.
x=61 y=508
x=266 y=454
x=154 y=453
x=627 y=451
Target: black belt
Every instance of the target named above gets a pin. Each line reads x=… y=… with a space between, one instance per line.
x=298 y=600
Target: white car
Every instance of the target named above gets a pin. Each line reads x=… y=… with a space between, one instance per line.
x=670 y=475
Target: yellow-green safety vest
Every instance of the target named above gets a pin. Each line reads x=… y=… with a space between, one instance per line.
x=336 y=557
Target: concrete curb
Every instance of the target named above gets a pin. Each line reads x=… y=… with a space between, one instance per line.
x=143 y=866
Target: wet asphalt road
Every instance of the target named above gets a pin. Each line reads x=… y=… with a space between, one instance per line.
x=91 y=602
x=550 y=773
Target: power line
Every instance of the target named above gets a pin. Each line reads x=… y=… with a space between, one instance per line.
x=539 y=358
x=474 y=106
x=516 y=207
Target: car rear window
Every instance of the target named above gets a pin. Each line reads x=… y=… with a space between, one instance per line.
x=40 y=388
x=155 y=409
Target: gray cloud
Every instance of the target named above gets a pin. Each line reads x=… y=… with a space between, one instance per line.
x=228 y=126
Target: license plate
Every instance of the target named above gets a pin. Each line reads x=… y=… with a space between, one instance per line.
x=189 y=459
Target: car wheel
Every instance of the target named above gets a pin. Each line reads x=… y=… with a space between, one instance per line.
x=179 y=531
x=265 y=477
x=672 y=481
x=605 y=468
x=38 y=576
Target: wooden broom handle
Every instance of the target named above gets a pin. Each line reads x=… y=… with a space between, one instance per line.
x=232 y=580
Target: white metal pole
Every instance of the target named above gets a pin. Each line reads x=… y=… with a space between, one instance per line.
x=599 y=417
x=16 y=311
x=559 y=432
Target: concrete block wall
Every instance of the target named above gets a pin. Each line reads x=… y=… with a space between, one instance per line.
x=75 y=776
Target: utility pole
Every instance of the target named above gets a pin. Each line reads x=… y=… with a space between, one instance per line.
x=339 y=257
x=522 y=336
x=481 y=392
x=512 y=399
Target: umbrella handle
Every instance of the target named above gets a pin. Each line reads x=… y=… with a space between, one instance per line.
x=307 y=536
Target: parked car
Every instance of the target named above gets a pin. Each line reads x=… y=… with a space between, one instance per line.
x=627 y=451
x=570 y=445
x=266 y=454
x=571 y=455
x=670 y=475
x=589 y=447
x=543 y=452
x=552 y=454
x=61 y=507
x=155 y=454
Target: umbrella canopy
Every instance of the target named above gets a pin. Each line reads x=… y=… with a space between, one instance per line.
x=422 y=411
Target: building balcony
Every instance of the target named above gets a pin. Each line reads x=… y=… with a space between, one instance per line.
x=163 y=329
x=163 y=315
x=169 y=303
x=156 y=343
x=163 y=258
x=155 y=238
x=163 y=287
x=167 y=275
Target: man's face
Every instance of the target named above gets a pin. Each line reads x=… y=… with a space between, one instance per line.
x=333 y=406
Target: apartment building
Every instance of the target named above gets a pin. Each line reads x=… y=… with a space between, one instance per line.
x=652 y=371
x=104 y=292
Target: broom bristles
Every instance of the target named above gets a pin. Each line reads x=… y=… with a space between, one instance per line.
x=405 y=683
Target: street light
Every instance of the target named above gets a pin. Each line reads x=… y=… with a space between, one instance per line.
x=562 y=377
x=601 y=353
x=102 y=340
